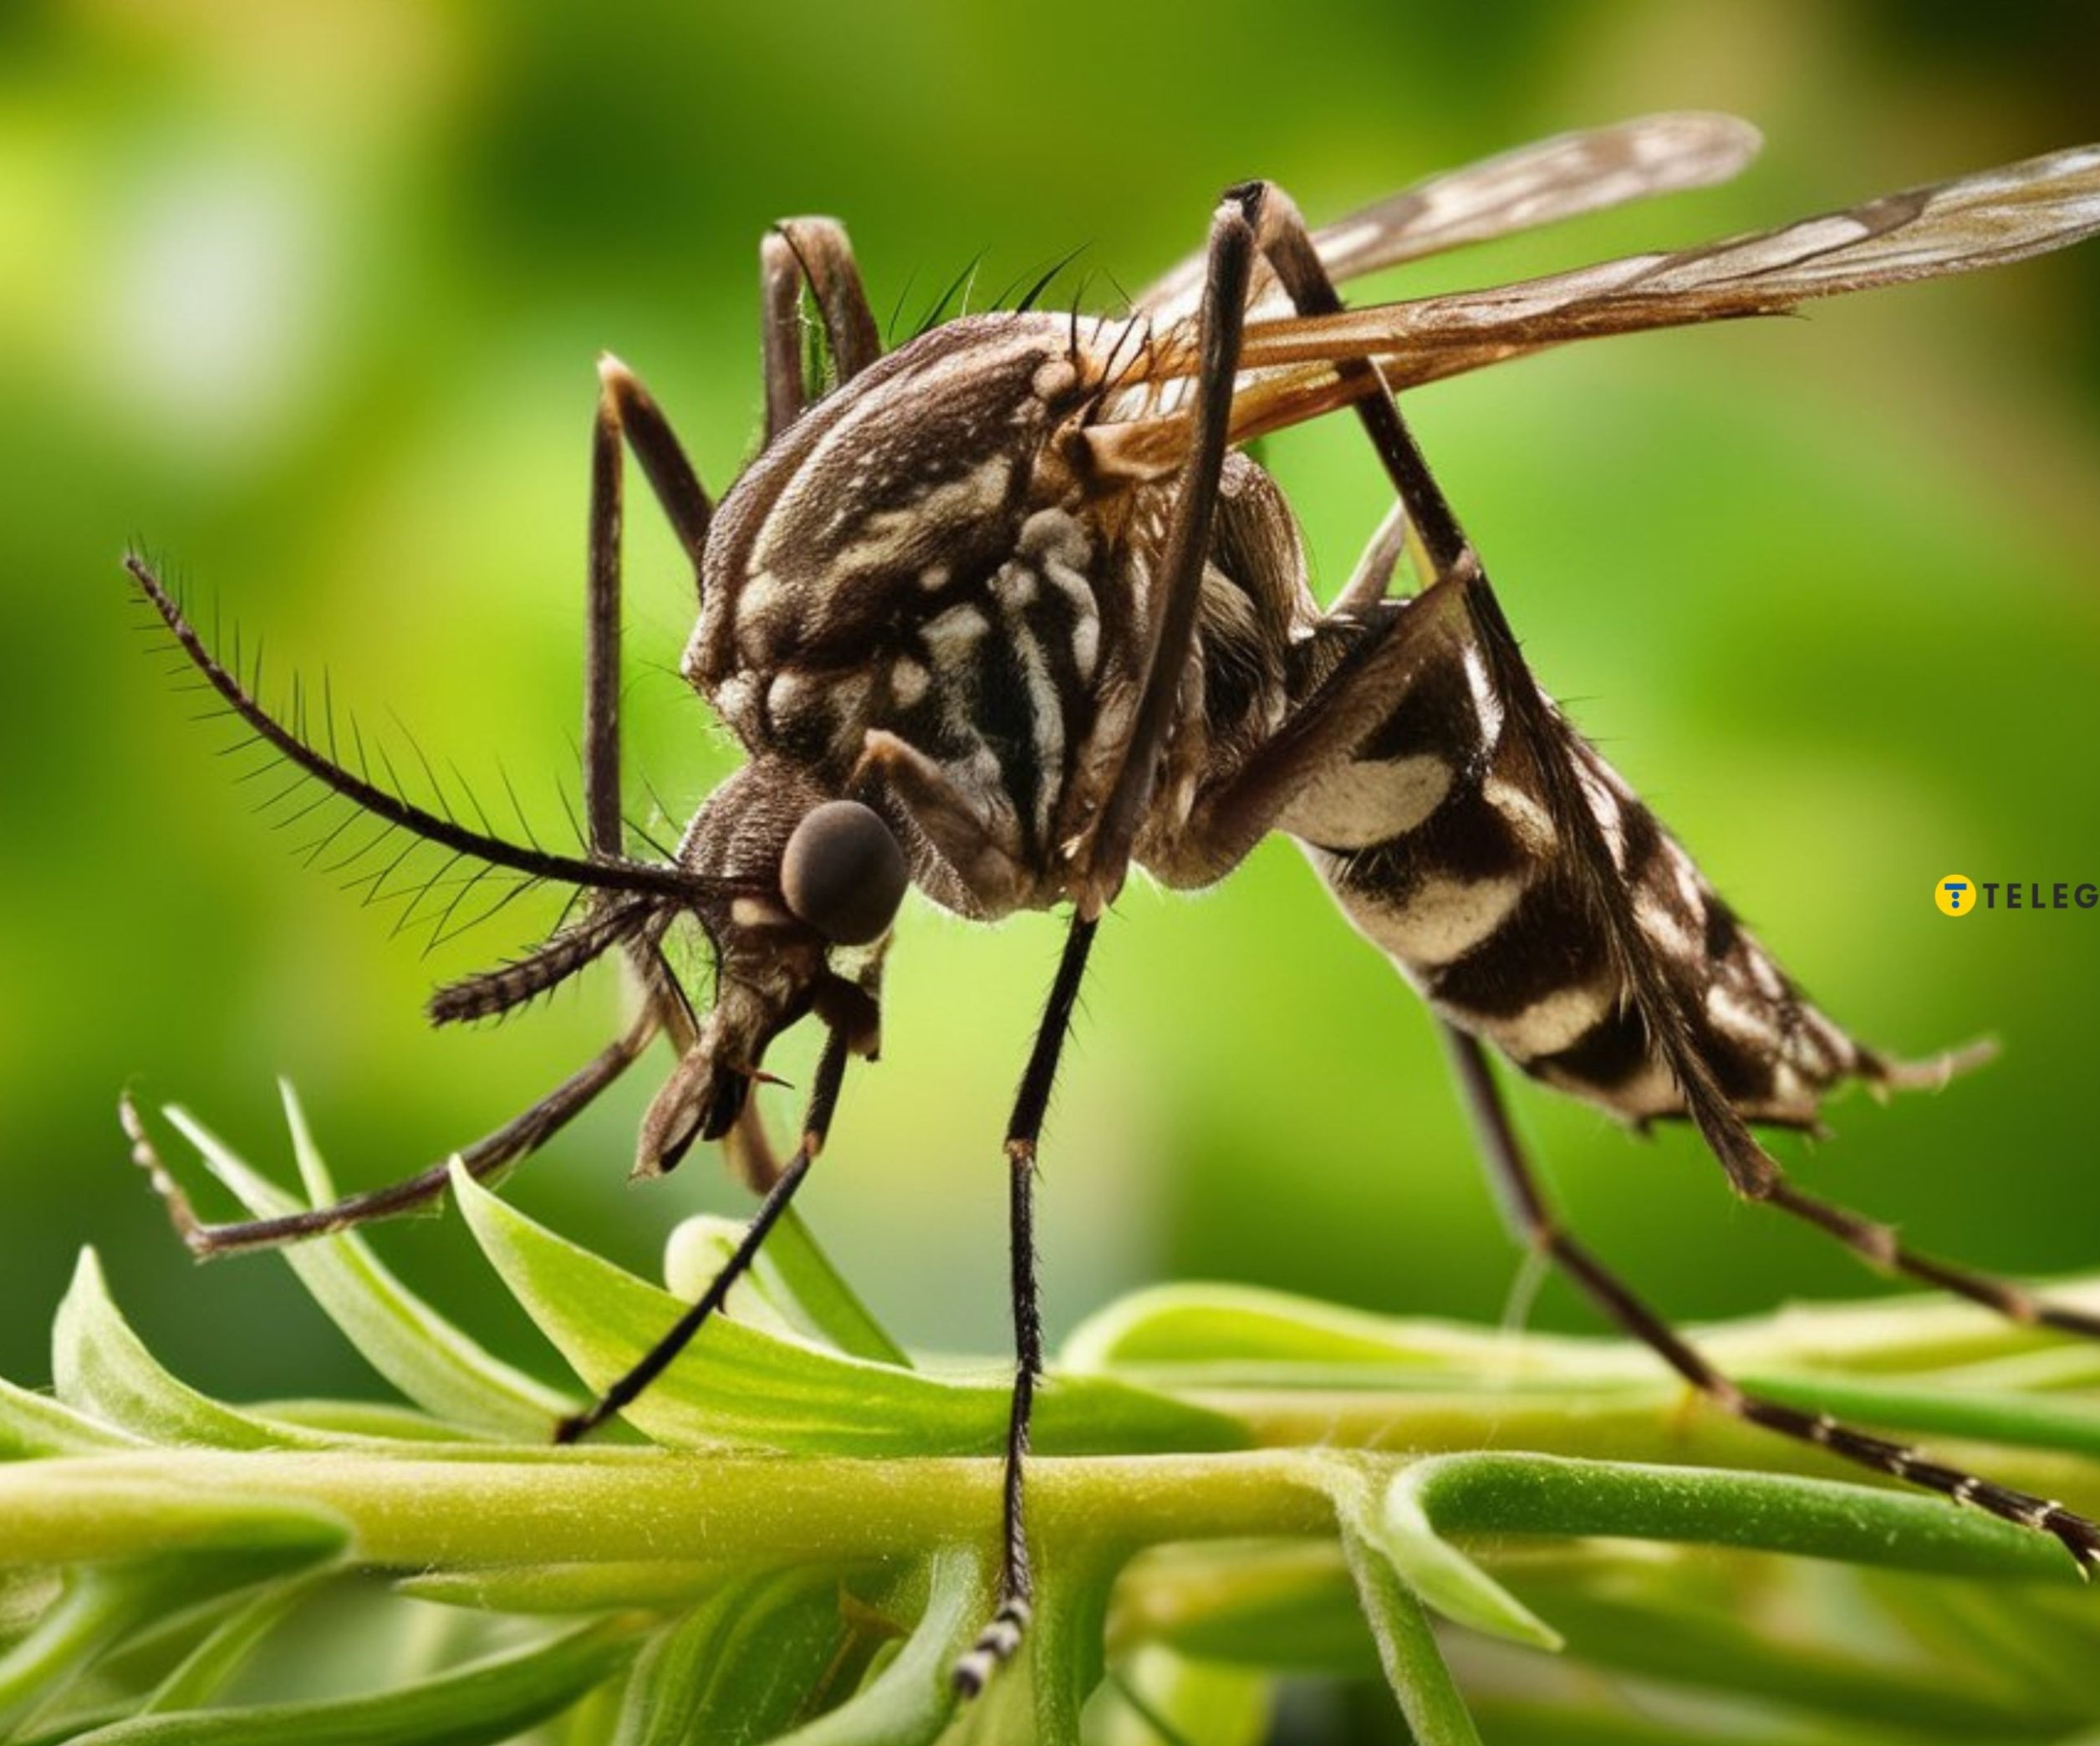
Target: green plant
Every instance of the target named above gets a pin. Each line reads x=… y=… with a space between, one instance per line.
x=789 y=1541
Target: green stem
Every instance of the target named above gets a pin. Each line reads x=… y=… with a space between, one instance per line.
x=617 y=1504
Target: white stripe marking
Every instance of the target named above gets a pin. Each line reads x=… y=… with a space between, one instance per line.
x=1441 y=918
x=1355 y=806
x=1547 y=1026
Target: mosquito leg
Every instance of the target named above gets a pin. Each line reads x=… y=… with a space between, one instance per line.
x=1186 y=550
x=811 y=252
x=1536 y=1226
x=633 y=413
x=486 y=1157
x=627 y=413
x=602 y=615
x=823 y=1100
x=1879 y=1245
x=1016 y=1580
x=984 y=850
x=1385 y=642
x=1231 y=253
x=1374 y=569
x=1287 y=246
x=1389 y=641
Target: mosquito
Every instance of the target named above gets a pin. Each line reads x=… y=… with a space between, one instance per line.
x=1007 y=609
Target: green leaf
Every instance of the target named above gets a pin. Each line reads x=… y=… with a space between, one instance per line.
x=488 y=1701
x=1438 y=1572
x=909 y=1703
x=33 y=1425
x=1244 y=1329
x=431 y=1362
x=832 y=1307
x=102 y=1368
x=791 y=1287
x=206 y=1669
x=738 y=1386
x=657 y=1585
x=103 y=1604
x=739 y=1669
x=1436 y=1715
x=1769 y=1656
x=1983 y=1416
x=358 y=1421
x=1553 y=1494
x=695 y=1255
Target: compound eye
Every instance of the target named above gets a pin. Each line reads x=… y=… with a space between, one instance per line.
x=843 y=874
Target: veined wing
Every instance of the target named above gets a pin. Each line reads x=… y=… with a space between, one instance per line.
x=1297 y=368
x=1535 y=185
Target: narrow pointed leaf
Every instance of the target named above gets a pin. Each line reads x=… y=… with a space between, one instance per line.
x=794 y=1285
x=1553 y=1494
x=1422 y=1686
x=911 y=1701
x=33 y=1425
x=104 y=1603
x=1241 y=1327
x=821 y=1292
x=1441 y=1574
x=102 y=1368
x=486 y=1702
x=205 y=1671
x=740 y=1668
x=697 y=1252
x=431 y=1362
x=736 y=1386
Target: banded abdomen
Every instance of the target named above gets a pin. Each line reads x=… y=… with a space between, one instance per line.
x=1437 y=844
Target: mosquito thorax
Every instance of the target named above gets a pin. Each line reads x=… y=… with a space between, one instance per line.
x=915 y=558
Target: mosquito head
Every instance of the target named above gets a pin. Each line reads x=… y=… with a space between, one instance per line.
x=818 y=880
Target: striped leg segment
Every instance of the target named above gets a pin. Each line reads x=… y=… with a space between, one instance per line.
x=1186 y=551
x=1000 y=1638
x=1390 y=644
x=1879 y=1245
x=1536 y=1226
x=1107 y=858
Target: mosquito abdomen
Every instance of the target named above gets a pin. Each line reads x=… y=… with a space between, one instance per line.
x=1440 y=848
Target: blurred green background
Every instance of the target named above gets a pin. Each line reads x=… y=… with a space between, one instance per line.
x=307 y=297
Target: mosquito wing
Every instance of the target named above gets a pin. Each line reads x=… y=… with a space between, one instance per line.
x=1535 y=185
x=1984 y=220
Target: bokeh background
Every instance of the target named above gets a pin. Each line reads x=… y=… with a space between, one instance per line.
x=307 y=297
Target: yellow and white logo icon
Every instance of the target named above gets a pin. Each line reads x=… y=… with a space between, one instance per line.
x=1955 y=895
